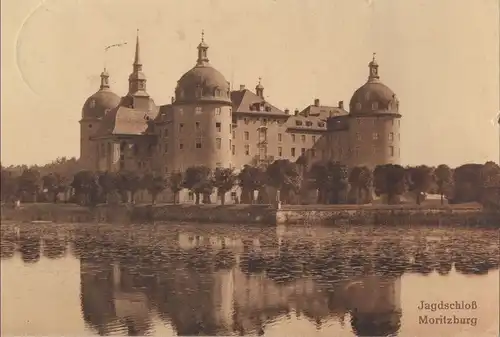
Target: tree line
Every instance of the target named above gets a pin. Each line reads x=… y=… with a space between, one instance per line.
x=334 y=182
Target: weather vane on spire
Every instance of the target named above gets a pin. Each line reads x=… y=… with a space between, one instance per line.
x=202 y=35
x=260 y=79
x=373 y=58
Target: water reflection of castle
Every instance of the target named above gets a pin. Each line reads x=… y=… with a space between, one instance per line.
x=203 y=285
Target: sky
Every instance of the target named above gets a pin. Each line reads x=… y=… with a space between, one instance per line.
x=441 y=57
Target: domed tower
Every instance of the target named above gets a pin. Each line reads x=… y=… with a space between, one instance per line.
x=202 y=116
x=374 y=123
x=94 y=109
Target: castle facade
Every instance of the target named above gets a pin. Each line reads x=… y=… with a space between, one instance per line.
x=209 y=124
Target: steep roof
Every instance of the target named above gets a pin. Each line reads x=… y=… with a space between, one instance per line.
x=125 y=121
x=245 y=101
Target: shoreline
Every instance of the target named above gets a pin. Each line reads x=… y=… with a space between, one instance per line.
x=459 y=215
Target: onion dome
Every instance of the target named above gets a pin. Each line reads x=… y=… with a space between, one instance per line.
x=203 y=82
x=374 y=96
x=102 y=101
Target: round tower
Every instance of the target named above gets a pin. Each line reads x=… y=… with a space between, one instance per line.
x=202 y=117
x=93 y=111
x=374 y=123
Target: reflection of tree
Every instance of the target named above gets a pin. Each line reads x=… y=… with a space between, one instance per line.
x=8 y=243
x=29 y=245
x=54 y=247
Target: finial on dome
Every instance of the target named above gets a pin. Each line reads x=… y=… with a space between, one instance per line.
x=104 y=79
x=202 y=51
x=373 y=65
x=259 y=89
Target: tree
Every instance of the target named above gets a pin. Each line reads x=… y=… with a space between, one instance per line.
x=54 y=184
x=198 y=179
x=154 y=184
x=337 y=182
x=250 y=178
x=224 y=181
x=419 y=179
x=175 y=183
x=443 y=176
x=467 y=183
x=29 y=183
x=490 y=185
x=389 y=180
x=319 y=177
x=86 y=187
x=108 y=182
x=285 y=176
x=9 y=184
x=360 y=179
x=129 y=182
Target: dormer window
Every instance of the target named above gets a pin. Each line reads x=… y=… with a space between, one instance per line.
x=322 y=124
x=268 y=108
x=309 y=123
x=298 y=123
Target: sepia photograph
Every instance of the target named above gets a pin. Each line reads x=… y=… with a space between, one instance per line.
x=250 y=168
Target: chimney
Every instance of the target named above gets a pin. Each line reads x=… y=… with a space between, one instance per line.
x=341 y=104
x=316 y=102
x=242 y=87
x=287 y=111
x=296 y=112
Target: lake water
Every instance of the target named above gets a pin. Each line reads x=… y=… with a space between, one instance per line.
x=192 y=280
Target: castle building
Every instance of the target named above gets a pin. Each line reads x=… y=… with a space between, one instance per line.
x=209 y=124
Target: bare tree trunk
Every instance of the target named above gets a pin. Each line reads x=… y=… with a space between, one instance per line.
x=197 y=199
x=222 y=196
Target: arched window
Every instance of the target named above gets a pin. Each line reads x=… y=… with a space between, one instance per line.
x=357 y=106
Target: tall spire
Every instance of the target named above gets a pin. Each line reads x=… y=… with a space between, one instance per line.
x=373 y=65
x=202 y=51
x=137 y=58
x=104 y=80
x=137 y=79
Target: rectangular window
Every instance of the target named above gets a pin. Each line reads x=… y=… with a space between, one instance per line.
x=197 y=110
x=198 y=143
x=218 y=127
x=247 y=150
x=313 y=153
x=375 y=136
x=293 y=138
x=303 y=138
x=279 y=137
x=314 y=139
x=302 y=151
x=292 y=152
x=181 y=146
x=217 y=111
x=230 y=143
x=391 y=151
x=233 y=150
x=230 y=128
x=391 y=136
x=264 y=121
x=197 y=126
x=218 y=143
x=245 y=120
x=166 y=147
x=280 y=151
x=181 y=127
x=165 y=133
x=247 y=135
x=234 y=134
